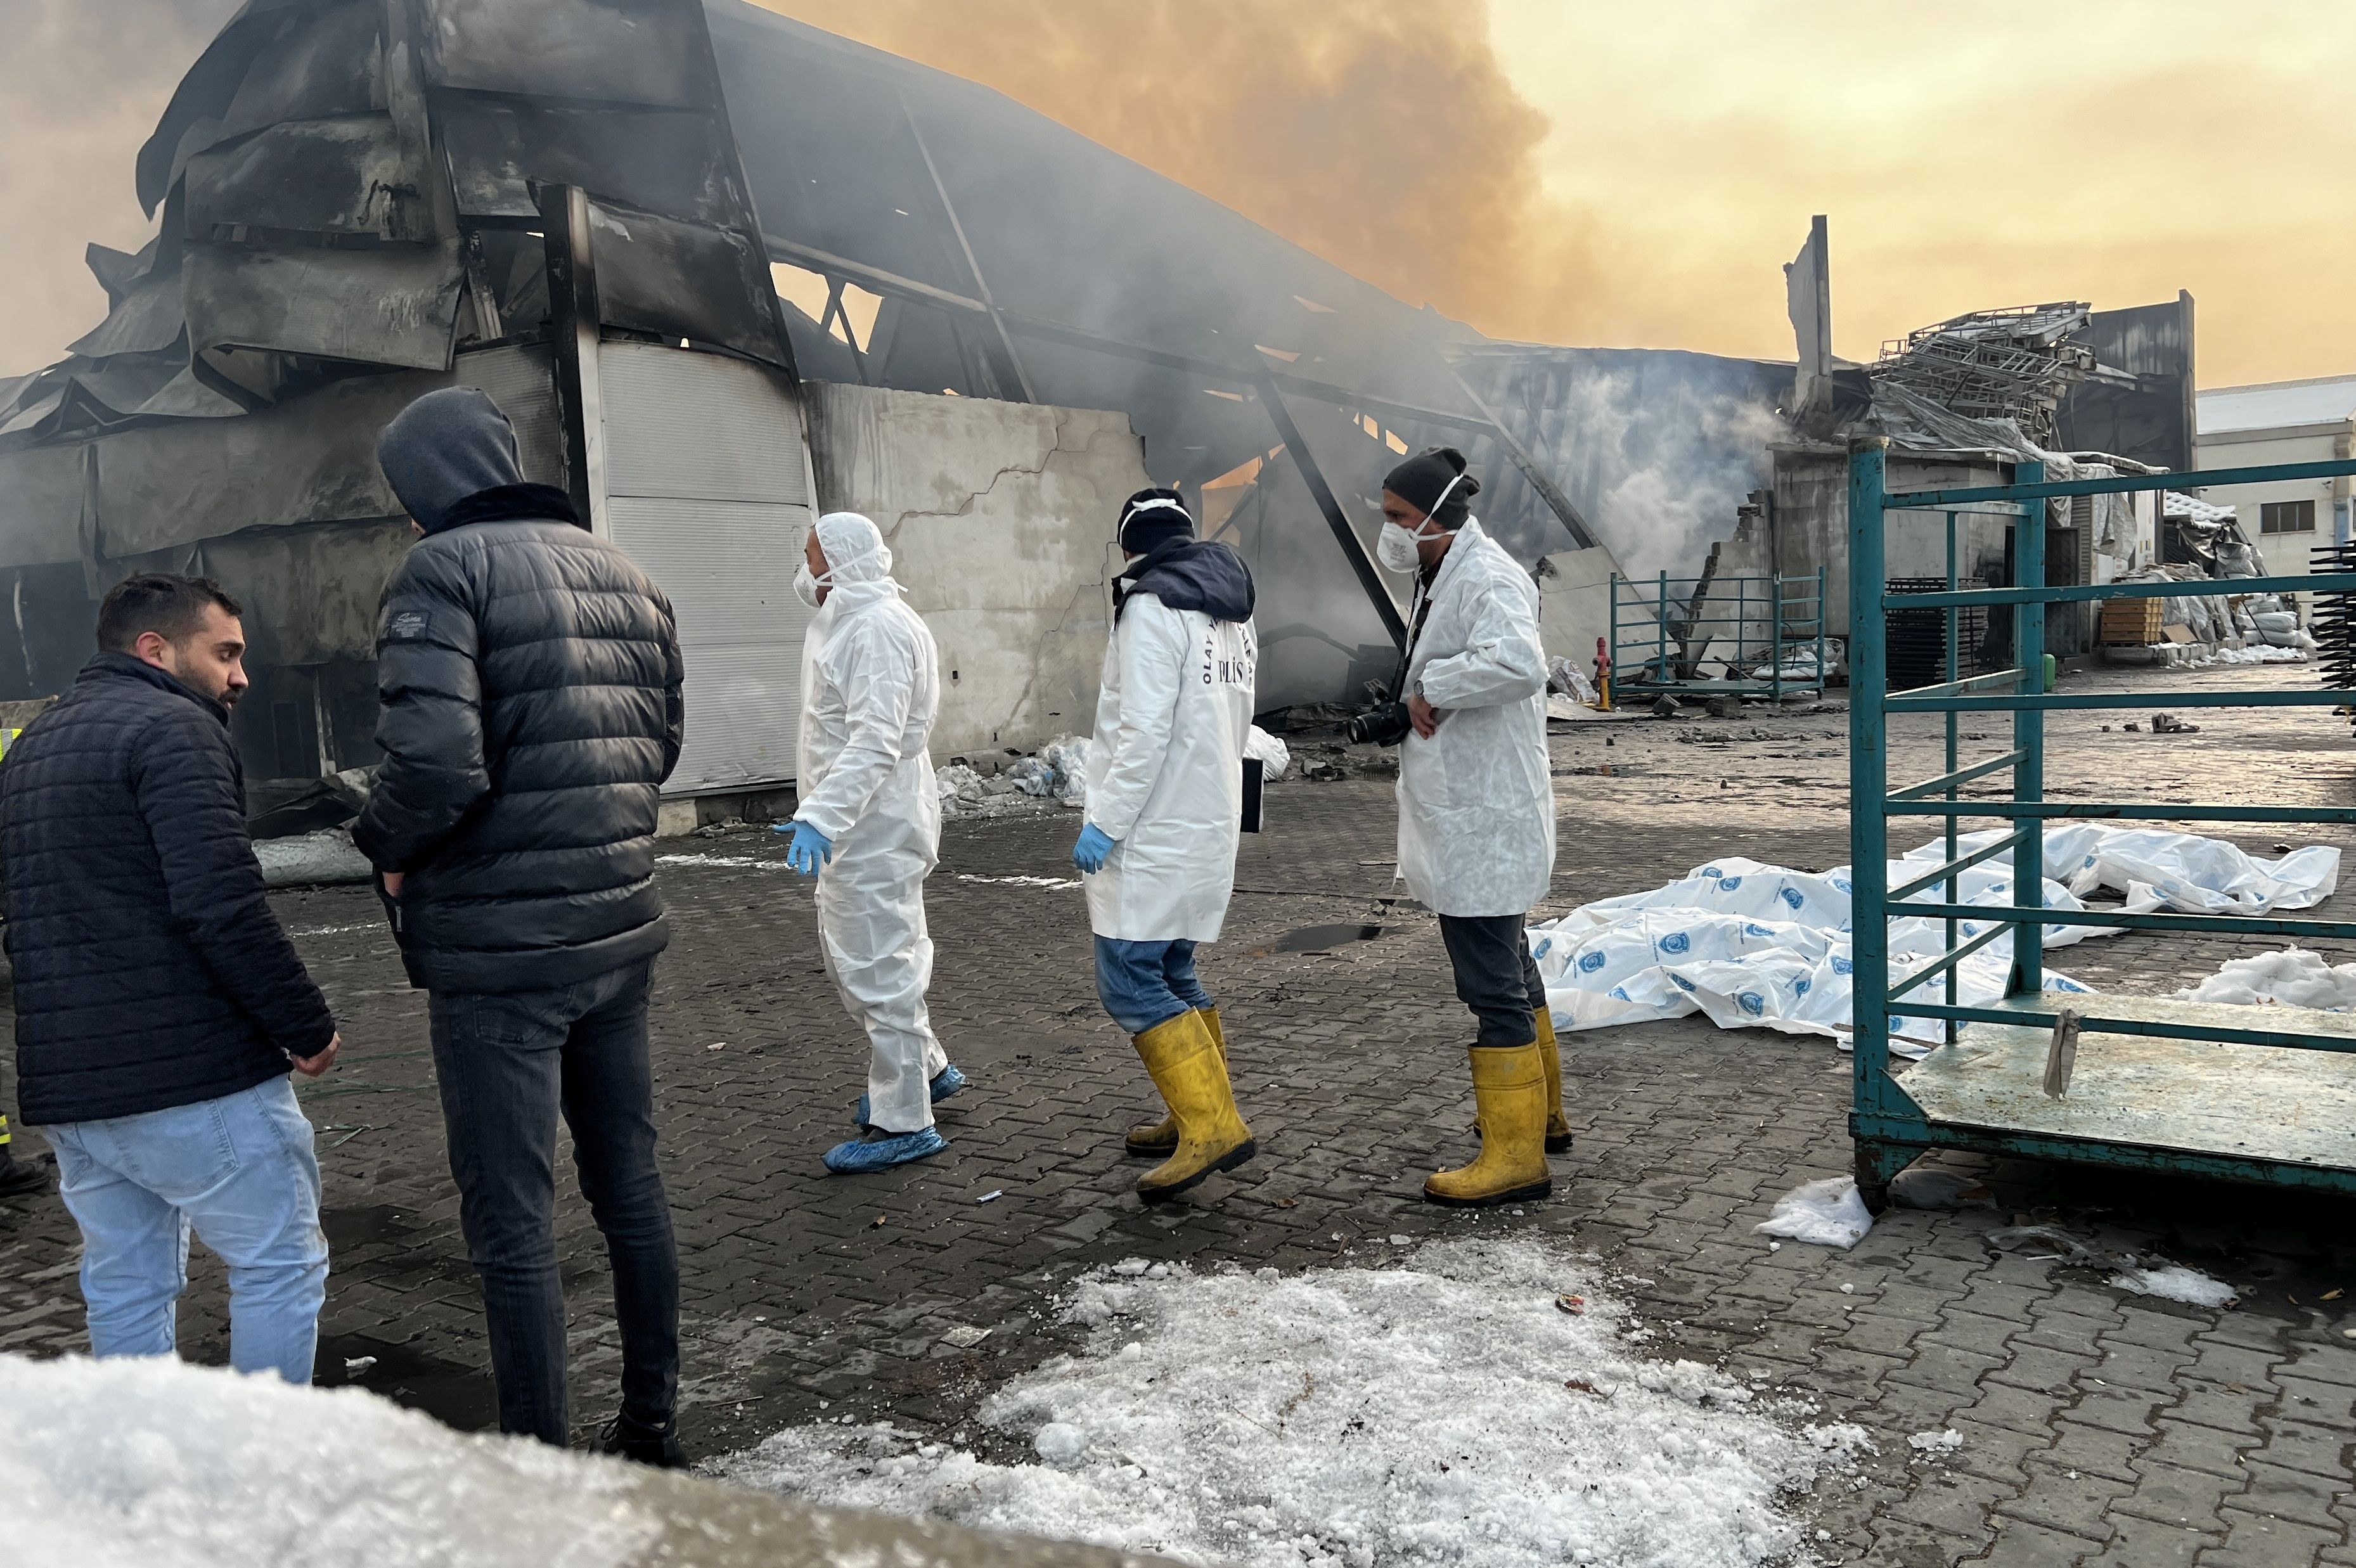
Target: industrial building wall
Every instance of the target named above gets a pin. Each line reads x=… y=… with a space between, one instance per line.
x=707 y=487
x=999 y=517
x=1811 y=526
x=2285 y=554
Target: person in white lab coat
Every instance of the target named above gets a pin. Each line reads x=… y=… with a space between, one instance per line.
x=1165 y=808
x=1476 y=811
x=868 y=827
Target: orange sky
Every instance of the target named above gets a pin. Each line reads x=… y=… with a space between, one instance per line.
x=1636 y=175
x=1565 y=170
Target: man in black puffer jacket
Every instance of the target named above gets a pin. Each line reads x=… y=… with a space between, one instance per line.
x=532 y=687
x=158 y=1003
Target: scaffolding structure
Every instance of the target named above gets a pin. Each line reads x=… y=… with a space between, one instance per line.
x=2143 y=1082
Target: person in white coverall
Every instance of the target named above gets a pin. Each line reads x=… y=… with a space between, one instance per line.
x=1476 y=811
x=868 y=827
x=1164 y=812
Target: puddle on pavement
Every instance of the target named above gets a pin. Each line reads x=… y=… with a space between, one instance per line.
x=1317 y=939
x=359 y=1227
x=454 y=1395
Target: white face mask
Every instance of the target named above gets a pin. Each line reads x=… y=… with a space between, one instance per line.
x=806 y=586
x=1394 y=546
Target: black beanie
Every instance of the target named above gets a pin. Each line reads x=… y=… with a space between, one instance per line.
x=1145 y=527
x=1422 y=479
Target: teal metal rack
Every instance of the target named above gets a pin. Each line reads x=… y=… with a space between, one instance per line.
x=1765 y=620
x=2157 y=1085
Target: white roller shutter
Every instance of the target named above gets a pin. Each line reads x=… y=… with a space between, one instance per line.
x=708 y=487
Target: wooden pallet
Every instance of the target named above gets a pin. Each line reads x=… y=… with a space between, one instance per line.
x=2131 y=623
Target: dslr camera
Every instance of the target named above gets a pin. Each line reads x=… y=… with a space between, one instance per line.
x=1385 y=723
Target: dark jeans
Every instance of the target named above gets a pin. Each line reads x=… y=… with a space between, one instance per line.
x=508 y=1064
x=1495 y=976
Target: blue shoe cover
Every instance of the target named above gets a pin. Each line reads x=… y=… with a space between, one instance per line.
x=880 y=1150
x=946 y=1082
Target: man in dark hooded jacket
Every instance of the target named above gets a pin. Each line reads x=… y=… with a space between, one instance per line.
x=530 y=679
x=1166 y=805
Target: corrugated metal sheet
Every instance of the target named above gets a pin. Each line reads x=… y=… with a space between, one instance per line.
x=708 y=487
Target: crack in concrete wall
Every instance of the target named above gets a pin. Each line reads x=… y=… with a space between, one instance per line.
x=999 y=517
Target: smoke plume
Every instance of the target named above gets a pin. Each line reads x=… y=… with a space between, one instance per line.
x=81 y=84
x=1383 y=136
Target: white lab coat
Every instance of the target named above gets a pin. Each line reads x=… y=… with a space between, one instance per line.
x=1476 y=800
x=871 y=690
x=1165 y=771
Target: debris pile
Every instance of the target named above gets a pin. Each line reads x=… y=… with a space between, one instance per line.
x=2014 y=365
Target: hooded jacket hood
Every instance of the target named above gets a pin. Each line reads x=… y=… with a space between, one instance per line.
x=1187 y=575
x=444 y=447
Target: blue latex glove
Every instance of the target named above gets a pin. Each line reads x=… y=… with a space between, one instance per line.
x=1090 y=853
x=810 y=850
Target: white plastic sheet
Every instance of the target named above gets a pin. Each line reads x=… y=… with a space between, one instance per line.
x=1755 y=946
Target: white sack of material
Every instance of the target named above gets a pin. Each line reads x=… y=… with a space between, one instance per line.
x=1448 y=1412
x=1752 y=944
x=1068 y=755
x=146 y=1463
x=2293 y=977
x=2173 y=1281
x=1274 y=756
x=1826 y=1214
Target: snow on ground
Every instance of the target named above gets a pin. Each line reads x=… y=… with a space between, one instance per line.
x=2292 y=977
x=1478 y=1407
x=2173 y=1281
x=153 y=1464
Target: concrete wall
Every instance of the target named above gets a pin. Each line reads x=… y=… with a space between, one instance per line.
x=1812 y=524
x=999 y=517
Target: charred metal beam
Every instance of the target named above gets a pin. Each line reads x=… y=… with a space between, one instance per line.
x=875 y=280
x=1521 y=458
x=972 y=267
x=1370 y=578
x=573 y=321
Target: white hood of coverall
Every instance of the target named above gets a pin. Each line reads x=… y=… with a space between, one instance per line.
x=1476 y=800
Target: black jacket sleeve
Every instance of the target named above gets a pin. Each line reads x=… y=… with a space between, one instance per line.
x=185 y=780
x=431 y=726
x=674 y=687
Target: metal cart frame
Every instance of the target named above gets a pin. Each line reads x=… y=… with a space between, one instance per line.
x=1793 y=608
x=1967 y=1093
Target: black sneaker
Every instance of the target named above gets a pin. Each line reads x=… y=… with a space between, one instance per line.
x=627 y=1437
x=21 y=1176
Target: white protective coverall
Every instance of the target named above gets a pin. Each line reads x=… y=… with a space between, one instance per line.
x=871 y=690
x=1165 y=771
x=1476 y=800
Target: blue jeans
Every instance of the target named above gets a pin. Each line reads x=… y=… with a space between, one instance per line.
x=508 y=1064
x=1142 y=984
x=242 y=1171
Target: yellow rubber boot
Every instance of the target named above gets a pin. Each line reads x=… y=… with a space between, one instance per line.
x=1509 y=1090
x=1192 y=1074
x=1558 y=1130
x=1159 y=1140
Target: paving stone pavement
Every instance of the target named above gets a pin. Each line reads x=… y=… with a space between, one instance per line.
x=2097 y=1426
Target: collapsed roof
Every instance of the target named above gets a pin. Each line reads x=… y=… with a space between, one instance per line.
x=348 y=189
